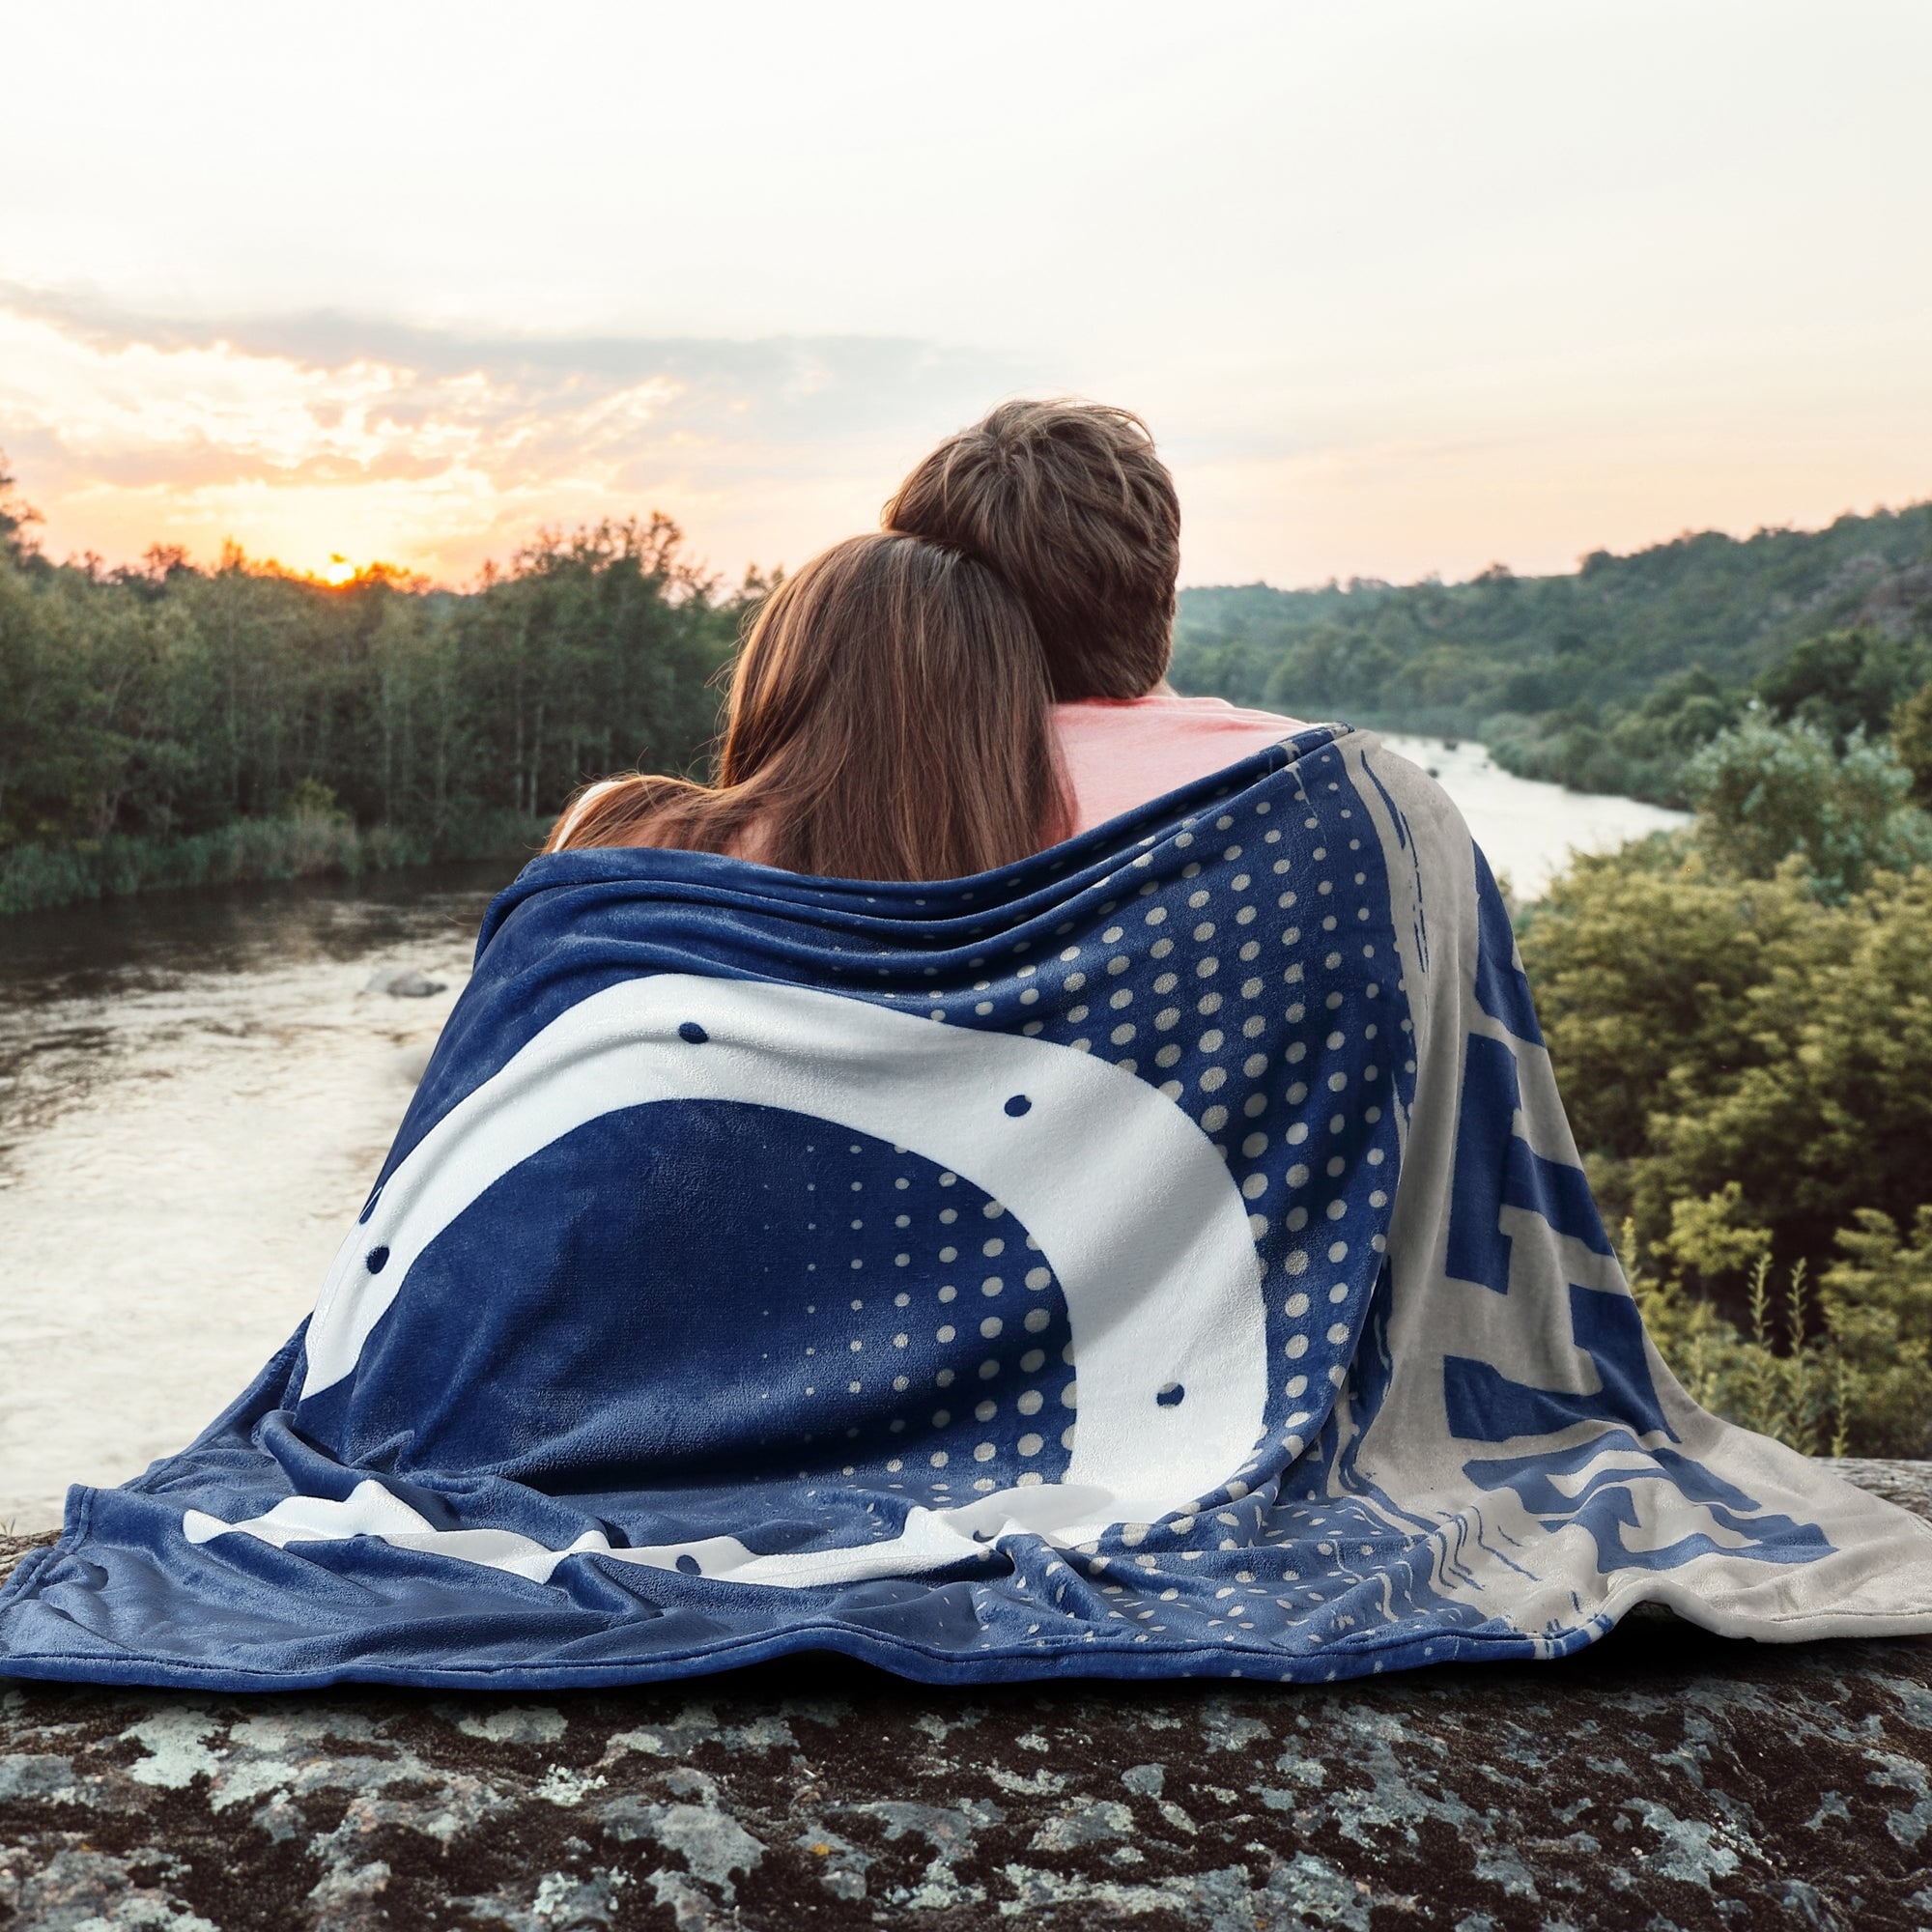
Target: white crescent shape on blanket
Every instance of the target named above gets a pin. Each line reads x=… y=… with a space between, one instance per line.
x=1131 y=1204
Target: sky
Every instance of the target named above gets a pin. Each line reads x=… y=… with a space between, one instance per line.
x=1400 y=288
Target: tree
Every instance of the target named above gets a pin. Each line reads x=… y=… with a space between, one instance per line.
x=1764 y=792
x=1912 y=741
x=1846 y=682
x=15 y=543
x=1878 y=1303
x=1577 y=677
x=163 y=702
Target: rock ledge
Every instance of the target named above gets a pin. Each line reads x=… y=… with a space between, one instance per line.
x=1663 y=1780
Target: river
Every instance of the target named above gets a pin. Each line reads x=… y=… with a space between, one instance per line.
x=196 y=1090
x=1528 y=829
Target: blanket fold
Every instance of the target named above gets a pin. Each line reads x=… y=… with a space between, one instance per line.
x=1164 y=1257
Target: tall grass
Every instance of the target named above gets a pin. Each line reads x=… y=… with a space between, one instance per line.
x=1805 y=1394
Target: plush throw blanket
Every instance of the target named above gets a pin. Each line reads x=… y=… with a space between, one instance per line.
x=1164 y=1257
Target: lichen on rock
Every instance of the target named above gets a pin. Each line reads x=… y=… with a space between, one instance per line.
x=1665 y=1779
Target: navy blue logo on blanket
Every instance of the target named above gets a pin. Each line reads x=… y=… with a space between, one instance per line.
x=856 y=1311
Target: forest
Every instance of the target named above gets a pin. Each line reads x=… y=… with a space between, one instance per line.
x=1605 y=679
x=166 y=724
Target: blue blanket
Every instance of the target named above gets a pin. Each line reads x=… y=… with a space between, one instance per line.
x=1165 y=1257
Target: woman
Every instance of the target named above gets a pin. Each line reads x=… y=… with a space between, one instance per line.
x=888 y=720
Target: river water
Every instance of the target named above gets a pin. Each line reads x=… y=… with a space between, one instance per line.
x=196 y=1090
x=1528 y=829
x=195 y=1094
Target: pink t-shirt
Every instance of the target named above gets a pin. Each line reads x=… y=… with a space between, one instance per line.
x=1118 y=752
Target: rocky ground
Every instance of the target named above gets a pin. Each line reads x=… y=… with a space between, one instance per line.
x=1666 y=1779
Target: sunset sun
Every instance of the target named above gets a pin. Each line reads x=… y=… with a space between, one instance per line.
x=337 y=571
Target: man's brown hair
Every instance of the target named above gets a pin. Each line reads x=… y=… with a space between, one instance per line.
x=1068 y=502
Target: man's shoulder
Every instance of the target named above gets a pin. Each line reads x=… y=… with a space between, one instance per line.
x=1170 y=710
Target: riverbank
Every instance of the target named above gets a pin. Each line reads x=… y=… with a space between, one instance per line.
x=310 y=844
x=1527 y=827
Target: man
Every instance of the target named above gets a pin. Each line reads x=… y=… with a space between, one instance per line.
x=1070 y=503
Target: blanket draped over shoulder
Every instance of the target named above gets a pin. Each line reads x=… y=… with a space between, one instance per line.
x=1164 y=1257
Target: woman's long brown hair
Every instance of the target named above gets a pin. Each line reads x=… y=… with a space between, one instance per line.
x=888 y=720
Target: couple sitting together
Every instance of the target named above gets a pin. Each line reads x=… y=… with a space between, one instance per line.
x=985 y=677
x=1028 y=1175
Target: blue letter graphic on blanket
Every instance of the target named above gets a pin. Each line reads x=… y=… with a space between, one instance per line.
x=1101 y=1266
x=1485 y=1406
x=1495 y=1169
x=1594 y=1481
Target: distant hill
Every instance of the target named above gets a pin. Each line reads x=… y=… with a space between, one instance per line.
x=1602 y=678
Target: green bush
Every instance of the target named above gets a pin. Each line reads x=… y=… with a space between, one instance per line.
x=1711 y=1033
x=1765 y=792
x=1850 y=1375
x=1804 y=1395
x=1912 y=742
x=1747 y=1069
x=1846 y=682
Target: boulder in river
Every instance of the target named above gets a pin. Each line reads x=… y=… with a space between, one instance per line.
x=405 y=984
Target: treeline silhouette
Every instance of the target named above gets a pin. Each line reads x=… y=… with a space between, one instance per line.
x=166 y=724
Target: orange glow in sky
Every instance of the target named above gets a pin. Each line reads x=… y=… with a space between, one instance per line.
x=1400 y=288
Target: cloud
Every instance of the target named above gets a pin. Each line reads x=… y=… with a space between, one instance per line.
x=305 y=435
